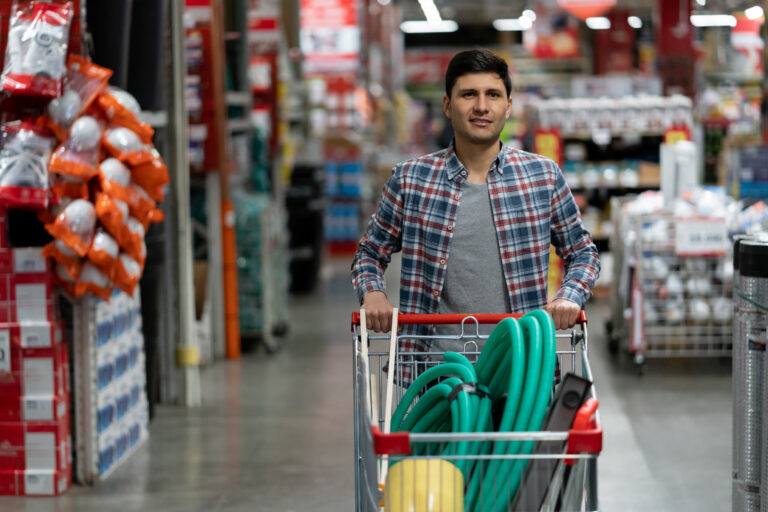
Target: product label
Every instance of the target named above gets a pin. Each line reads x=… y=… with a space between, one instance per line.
x=5 y=351
x=38 y=482
x=38 y=376
x=35 y=335
x=40 y=450
x=31 y=303
x=38 y=409
x=701 y=237
x=757 y=345
x=28 y=261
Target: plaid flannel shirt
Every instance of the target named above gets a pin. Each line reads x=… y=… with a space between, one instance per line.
x=532 y=208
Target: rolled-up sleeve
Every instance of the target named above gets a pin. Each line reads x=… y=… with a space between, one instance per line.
x=382 y=237
x=573 y=244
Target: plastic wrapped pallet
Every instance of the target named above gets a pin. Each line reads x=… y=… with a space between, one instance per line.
x=738 y=350
x=751 y=315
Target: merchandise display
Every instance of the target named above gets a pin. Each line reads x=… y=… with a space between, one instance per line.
x=25 y=151
x=35 y=56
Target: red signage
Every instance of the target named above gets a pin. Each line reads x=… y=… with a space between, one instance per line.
x=587 y=8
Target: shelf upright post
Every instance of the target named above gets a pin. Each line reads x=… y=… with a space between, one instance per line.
x=229 y=250
x=187 y=349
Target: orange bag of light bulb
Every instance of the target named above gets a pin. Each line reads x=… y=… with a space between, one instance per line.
x=127 y=273
x=142 y=207
x=62 y=279
x=75 y=226
x=132 y=238
x=115 y=179
x=112 y=213
x=79 y=154
x=125 y=145
x=152 y=176
x=104 y=252
x=64 y=257
x=94 y=281
x=83 y=81
x=69 y=187
x=121 y=109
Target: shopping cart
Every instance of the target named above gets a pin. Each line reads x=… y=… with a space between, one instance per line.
x=566 y=461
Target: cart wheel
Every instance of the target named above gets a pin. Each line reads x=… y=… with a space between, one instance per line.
x=280 y=329
x=609 y=328
x=640 y=364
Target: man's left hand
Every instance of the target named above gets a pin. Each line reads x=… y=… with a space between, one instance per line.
x=564 y=312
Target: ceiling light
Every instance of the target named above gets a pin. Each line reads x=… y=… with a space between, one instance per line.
x=713 y=20
x=384 y=2
x=754 y=13
x=509 y=24
x=425 y=27
x=598 y=23
x=430 y=11
x=635 y=22
x=528 y=13
x=701 y=2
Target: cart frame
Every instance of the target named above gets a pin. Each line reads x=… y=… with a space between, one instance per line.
x=374 y=442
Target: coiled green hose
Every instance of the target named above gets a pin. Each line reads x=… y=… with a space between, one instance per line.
x=515 y=369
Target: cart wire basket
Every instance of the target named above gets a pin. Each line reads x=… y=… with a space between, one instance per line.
x=418 y=472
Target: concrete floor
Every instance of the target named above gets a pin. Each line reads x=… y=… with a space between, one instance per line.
x=275 y=432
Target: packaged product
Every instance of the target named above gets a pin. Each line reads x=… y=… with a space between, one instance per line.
x=112 y=213
x=142 y=207
x=127 y=273
x=104 y=252
x=82 y=82
x=152 y=176
x=115 y=179
x=35 y=55
x=79 y=154
x=63 y=279
x=132 y=238
x=94 y=281
x=70 y=187
x=25 y=149
x=75 y=226
x=123 y=144
x=64 y=257
x=122 y=109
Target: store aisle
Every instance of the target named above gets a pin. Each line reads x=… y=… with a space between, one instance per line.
x=275 y=432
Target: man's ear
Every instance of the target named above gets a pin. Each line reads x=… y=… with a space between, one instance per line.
x=446 y=105
x=509 y=108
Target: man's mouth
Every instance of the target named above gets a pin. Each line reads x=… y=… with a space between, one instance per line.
x=480 y=122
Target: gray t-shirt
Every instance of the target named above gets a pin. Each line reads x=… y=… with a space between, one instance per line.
x=474 y=279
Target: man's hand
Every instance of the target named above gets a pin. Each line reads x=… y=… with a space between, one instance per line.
x=378 y=311
x=564 y=312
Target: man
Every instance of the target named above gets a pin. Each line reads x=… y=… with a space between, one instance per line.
x=475 y=221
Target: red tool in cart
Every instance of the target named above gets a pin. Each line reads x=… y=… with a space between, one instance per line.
x=475 y=430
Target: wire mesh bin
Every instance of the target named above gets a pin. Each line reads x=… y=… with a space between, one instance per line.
x=681 y=301
x=448 y=471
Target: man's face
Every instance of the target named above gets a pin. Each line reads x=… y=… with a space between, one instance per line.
x=478 y=108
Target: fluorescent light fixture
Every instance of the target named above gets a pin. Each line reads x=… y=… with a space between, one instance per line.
x=635 y=22
x=598 y=23
x=383 y=2
x=528 y=13
x=430 y=11
x=713 y=20
x=425 y=27
x=510 y=24
x=701 y=2
x=754 y=13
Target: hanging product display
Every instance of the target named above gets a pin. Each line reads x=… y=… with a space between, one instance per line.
x=35 y=56
x=25 y=150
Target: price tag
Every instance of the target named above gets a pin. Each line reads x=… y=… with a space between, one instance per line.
x=701 y=237
x=548 y=143
x=5 y=352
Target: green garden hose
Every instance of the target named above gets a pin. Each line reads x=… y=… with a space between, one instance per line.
x=515 y=370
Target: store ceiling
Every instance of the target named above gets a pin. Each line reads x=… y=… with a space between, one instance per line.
x=485 y=11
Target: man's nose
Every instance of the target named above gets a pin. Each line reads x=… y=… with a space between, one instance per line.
x=481 y=104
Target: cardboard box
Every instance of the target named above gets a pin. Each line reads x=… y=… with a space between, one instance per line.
x=35 y=445
x=26 y=260
x=35 y=482
x=34 y=408
x=648 y=174
x=32 y=371
x=27 y=298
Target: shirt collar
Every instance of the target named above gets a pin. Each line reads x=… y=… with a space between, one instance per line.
x=454 y=167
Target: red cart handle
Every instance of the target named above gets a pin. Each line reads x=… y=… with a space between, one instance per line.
x=585 y=435
x=483 y=318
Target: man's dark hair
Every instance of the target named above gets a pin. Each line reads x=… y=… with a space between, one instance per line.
x=478 y=60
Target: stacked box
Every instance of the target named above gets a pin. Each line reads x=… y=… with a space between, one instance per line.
x=35 y=446
x=121 y=400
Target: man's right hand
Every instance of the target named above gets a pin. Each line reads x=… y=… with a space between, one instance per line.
x=378 y=311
